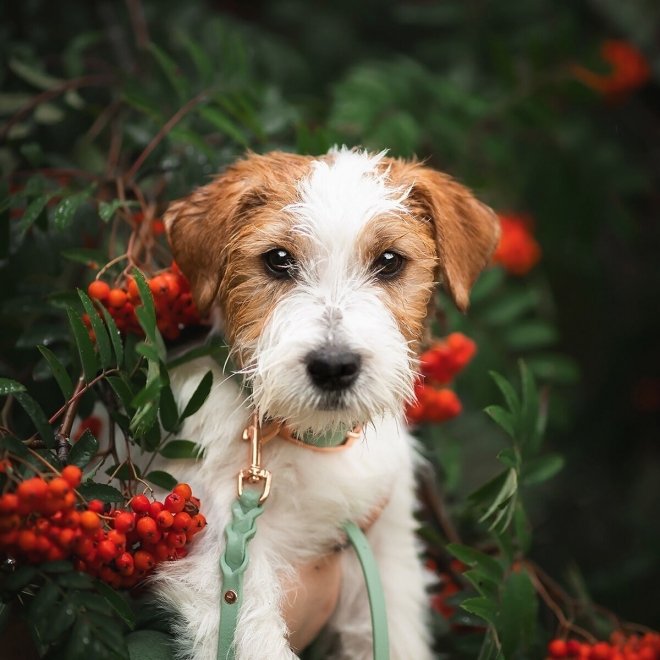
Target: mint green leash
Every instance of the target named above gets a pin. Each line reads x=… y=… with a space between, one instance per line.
x=233 y=563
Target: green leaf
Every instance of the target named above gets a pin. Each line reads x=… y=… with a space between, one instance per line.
x=529 y=413
x=148 y=394
x=83 y=344
x=538 y=470
x=162 y=479
x=57 y=567
x=149 y=645
x=225 y=125
x=115 y=336
x=8 y=386
x=489 y=566
x=147 y=350
x=516 y=621
x=59 y=372
x=482 y=583
x=84 y=450
x=502 y=418
x=146 y=314
x=75 y=580
x=117 y=602
x=554 y=368
x=122 y=389
x=505 y=486
x=20 y=578
x=85 y=256
x=215 y=347
x=509 y=307
x=172 y=72
x=169 y=413
x=482 y=607
x=67 y=208
x=108 y=209
x=509 y=457
x=486 y=285
x=529 y=335
x=80 y=644
x=93 y=491
x=199 y=395
x=100 y=332
x=14 y=445
x=32 y=212
x=36 y=414
x=44 y=603
x=57 y=624
x=181 y=449
x=510 y=396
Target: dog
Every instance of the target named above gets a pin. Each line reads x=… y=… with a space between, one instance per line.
x=319 y=273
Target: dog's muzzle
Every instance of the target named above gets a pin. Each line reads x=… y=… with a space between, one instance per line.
x=333 y=368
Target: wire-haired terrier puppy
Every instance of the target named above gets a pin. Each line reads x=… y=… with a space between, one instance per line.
x=319 y=273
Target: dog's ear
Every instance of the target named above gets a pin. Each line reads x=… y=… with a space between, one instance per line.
x=466 y=231
x=200 y=227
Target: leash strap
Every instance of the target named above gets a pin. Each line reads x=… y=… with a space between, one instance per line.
x=374 y=586
x=242 y=528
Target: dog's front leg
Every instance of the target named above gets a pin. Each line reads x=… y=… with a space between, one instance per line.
x=191 y=587
x=393 y=542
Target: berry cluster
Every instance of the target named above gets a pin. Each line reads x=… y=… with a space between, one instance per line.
x=620 y=647
x=439 y=365
x=518 y=251
x=42 y=521
x=170 y=289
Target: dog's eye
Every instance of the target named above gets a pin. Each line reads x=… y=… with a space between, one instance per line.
x=279 y=263
x=388 y=265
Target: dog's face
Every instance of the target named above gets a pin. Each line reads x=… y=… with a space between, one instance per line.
x=322 y=270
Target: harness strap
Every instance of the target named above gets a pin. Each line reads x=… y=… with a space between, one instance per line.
x=374 y=586
x=245 y=511
x=242 y=528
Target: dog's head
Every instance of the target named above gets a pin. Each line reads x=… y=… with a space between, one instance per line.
x=322 y=270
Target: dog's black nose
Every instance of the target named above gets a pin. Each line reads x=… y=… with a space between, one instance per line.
x=333 y=368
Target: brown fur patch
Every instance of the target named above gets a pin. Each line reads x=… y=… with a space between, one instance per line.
x=466 y=231
x=407 y=294
x=220 y=231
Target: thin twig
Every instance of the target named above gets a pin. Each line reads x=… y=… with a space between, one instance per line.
x=162 y=133
x=63 y=434
x=91 y=383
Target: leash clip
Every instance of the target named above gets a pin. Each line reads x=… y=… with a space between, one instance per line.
x=255 y=473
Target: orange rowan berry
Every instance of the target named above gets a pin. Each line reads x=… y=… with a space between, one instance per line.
x=117 y=298
x=184 y=490
x=174 y=503
x=176 y=539
x=125 y=564
x=155 y=508
x=27 y=540
x=98 y=290
x=117 y=538
x=165 y=519
x=8 y=503
x=90 y=521
x=32 y=491
x=144 y=561
x=96 y=505
x=600 y=651
x=107 y=550
x=133 y=291
x=198 y=523
x=147 y=529
x=182 y=522
x=162 y=551
x=59 y=487
x=124 y=521
x=73 y=474
x=140 y=504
